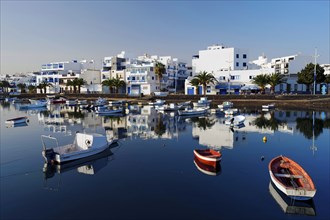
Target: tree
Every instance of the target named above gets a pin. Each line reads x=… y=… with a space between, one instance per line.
x=195 y=82
x=43 y=86
x=327 y=79
x=78 y=82
x=5 y=85
x=109 y=83
x=22 y=87
x=159 y=71
x=274 y=79
x=261 y=80
x=70 y=84
x=118 y=83
x=205 y=78
x=32 y=88
x=306 y=75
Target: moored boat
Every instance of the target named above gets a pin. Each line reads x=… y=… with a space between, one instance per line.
x=269 y=106
x=237 y=120
x=226 y=105
x=109 y=111
x=18 y=120
x=197 y=111
x=290 y=178
x=208 y=156
x=202 y=102
x=84 y=145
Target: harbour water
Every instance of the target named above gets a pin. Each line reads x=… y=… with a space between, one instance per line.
x=151 y=173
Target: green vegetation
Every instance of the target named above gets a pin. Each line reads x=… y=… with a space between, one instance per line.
x=159 y=71
x=204 y=78
x=306 y=75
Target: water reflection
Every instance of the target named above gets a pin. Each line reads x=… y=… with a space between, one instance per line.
x=291 y=206
x=208 y=169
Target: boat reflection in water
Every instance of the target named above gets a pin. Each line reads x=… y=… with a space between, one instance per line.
x=214 y=170
x=88 y=165
x=292 y=206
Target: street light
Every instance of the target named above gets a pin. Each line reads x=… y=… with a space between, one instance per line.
x=315 y=56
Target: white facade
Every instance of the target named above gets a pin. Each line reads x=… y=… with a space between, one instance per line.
x=220 y=58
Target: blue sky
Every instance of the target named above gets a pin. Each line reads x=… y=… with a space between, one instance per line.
x=36 y=32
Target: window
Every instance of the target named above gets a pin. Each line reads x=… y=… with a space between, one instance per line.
x=244 y=64
x=244 y=56
x=250 y=77
x=237 y=56
x=153 y=78
x=237 y=63
x=208 y=89
x=222 y=78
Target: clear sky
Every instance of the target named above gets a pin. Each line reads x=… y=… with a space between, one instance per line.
x=37 y=32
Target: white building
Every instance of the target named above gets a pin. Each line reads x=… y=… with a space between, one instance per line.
x=58 y=73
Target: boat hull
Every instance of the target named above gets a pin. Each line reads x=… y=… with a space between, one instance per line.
x=208 y=159
x=15 y=121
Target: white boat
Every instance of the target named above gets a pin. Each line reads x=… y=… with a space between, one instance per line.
x=117 y=102
x=84 y=145
x=34 y=104
x=71 y=102
x=290 y=178
x=169 y=107
x=202 y=102
x=157 y=102
x=109 y=111
x=101 y=101
x=196 y=111
x=226 y=105
x=237 y=120
x=18 y=120
x=82 y=102
x=231 y=111
x=269 y=106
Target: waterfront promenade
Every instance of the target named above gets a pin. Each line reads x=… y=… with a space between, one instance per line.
x=302 y=101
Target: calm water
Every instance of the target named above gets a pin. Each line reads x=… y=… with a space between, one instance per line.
x=151 y=173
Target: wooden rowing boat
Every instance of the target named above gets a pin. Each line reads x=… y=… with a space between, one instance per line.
x=207 y=169
x=289 y=177
x=208 y=156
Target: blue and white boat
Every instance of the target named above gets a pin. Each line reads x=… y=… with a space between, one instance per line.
x=202 y=102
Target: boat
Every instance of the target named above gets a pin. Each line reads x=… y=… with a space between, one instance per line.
x=202 y=102
x=197 y=111
x=117 y=102
x=184 y=104
x=84 y=145
x=157 y=102
x=208 y=156
x=291 y=206
x=82 y=102
x=269 y=106
x=34 y=104
x=231 y=111
x=52 y=99
x=109 y=111
x=207 y=169
x=101 y=101
x=18 y=120
x=290 y=178
x=226 y=105
x=169 y=107
x=237 y=120
x=71 y=102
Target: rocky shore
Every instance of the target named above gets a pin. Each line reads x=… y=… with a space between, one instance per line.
x=288 y=102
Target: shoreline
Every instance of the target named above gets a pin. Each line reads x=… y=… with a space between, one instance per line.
x=298 y=102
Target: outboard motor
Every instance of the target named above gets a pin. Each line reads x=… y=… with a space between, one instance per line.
x=49 y=155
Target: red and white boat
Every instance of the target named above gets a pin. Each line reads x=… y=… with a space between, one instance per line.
x=289 y=177
x=208 y=156
x=55 y=99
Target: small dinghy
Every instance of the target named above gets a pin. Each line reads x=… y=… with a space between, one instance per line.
x=84 y=145
x=208 y=156
x=18 y=120
x=289 y=177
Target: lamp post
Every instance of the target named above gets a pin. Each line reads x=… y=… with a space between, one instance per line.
x=315 y=56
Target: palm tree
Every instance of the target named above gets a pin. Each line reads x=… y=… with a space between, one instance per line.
x=261 y=80
x=195 y=82
x=274 y=79
x=5 y=85
x=32 y=88
x=159 y=71
x=70 y=84
x=22 y=87
x=118 y=83
x=205 y=78
x=78 y=82
x=109 y=83
x=43 y=86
